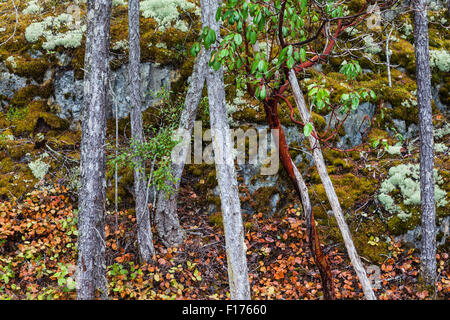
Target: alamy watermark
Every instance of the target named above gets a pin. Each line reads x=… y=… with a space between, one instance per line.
x=262 y=147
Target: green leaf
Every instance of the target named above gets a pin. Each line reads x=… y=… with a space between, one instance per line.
x=262 y=66
x=218 y=13
x=195 y=49
x=307 y=129
x=263 y=93
x=238 y=39
x=303 y=54
x=290 y=63
x=253 y=37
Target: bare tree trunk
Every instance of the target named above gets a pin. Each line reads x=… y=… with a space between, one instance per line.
x=91 y=266
x=329 y=189
x=166 y=217
x=225 y=171
x=388 y=56
x=144 y=232
x=301 y=189
x=423 y=75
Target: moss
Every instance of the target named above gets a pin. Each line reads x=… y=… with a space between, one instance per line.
x=250 y=114
x=262 y=199
x=6 y=165
x=319 y=121
x=124 y=186
x=18 y=149
x=349 y=188
x=38 y=110
x=216 y=219
x=17 y=184
x=444 y=91
x=32 y=68
x=403 y=54
x=68 y=139
x=337 y=161
x=24 y=96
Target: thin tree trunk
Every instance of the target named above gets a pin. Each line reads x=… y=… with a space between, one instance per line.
x=166 y=217
x=329 y=189
x=91 y=266
x=301 y=189
x=144 y=232
x=225 y=171
x=388 y=56
x=423 y=75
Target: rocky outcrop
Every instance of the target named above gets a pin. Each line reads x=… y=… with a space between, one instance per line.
x=69 y=91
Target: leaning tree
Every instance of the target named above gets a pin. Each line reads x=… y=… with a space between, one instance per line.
x=269 y=45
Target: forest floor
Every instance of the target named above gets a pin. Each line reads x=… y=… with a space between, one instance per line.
x=38 y=255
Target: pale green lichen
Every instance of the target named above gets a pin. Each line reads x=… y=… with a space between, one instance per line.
x=440 y=59
x=371 y=46
x=407 y=30
x=12 y=62
x=116 y=3
x=74 y=178
x=394 y=150
x=39 y=168
x=161 y=45
x=33 y=8
x=405 y=178
x=442 y=132
x=121 y=45
x=165 y=12
x=440 y=148
x=48 y=28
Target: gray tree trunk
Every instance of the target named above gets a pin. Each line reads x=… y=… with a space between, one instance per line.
x=225 y=171
x=166 y=216
x=423 y=75
x=144 y=232
x=329 y=189
x=91 y=266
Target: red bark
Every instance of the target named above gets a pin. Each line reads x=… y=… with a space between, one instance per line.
x=313 y=237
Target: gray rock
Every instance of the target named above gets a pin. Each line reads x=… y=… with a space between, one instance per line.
x=413 y=132
x=355 y=125
x=435 y=93
x=10 y=83
x=400 y=125
x=69 y=91
x=68 y=94
x=412 y=237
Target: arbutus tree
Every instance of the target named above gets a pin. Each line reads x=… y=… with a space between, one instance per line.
x=297 y=35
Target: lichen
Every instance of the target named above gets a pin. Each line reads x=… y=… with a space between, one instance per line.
x=39 y=168
x=166 y=12
x=403 y=185
x=49 y=29
x=33 y=8
x=440 y=59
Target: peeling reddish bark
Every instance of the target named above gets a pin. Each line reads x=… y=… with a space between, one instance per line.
x=313 y=237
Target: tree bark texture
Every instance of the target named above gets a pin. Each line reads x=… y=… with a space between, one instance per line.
x=423 y=76
x=329 y=189
x=144 y=232
x=225 y=171
x=167 y=221
x=91 y=266
x=302 y=192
